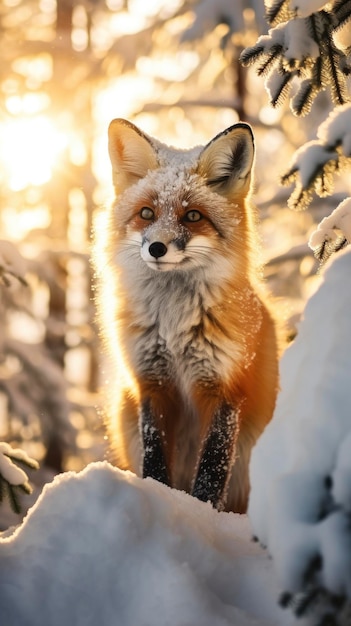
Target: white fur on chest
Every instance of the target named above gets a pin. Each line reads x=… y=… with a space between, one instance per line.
x=173 y=344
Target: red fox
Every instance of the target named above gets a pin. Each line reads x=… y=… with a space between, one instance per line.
x=184 y=313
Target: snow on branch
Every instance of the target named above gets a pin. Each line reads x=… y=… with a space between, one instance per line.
x=303 y=45
x=300 y=469
x=313 y=166
x=13 y=479
x=333 y=233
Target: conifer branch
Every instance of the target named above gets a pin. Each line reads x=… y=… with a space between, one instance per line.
x=320 y=64
x=271 y=59
x=13 y=480
x=281 y=88
x=278 y=12
x=342 y=13
x=250 y=55
x=302 y=102
x=337 y=82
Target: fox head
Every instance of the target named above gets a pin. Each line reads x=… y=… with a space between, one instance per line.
x=180 y=209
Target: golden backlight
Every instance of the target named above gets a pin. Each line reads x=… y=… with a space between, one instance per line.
x=30 y=146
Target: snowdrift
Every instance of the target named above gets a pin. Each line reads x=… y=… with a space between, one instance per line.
x=105 y=547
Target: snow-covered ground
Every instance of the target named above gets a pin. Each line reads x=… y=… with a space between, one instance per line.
x=300 y=502
x=105 y=547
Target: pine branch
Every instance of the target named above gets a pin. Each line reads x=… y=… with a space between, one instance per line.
x=12 y=493
x=250 y=55
x=337 y=82
x=342 y=13
x=13 y=481
x=301 y=104
x=272 y=57
x=280 y=92
x=290 y=176
x=300 y=198
x=278 y=12
x=328 y=247
x=324 y=181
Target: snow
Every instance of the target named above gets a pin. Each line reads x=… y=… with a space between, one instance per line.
x=294 y=37
x=301 y=466
x=336 y=129
x=8 y=470
x=106 y=547
x=338 y=220
x=306 y=7
x=309 y=159
x=298 y=41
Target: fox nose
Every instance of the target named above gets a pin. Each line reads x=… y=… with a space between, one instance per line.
x=157 y=249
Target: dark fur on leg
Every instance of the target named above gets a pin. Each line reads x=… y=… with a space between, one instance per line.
x=154 y=464
x=217 y=458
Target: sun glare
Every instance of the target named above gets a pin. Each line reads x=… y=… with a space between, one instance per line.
x=29 y=149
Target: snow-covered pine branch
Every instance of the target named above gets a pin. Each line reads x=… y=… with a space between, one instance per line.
x=333 y=233
x=13 y=479
x=303 y=45
x=300 y=471
x=313 y=166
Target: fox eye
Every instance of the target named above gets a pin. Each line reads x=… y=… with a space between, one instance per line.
x=146 y=213
x=193 y=216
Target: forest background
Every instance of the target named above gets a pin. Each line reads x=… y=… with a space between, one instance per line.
x=68 y=68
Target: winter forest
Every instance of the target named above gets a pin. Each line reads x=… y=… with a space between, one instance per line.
x=82 y=542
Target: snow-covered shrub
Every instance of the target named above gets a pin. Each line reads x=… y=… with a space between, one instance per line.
x=300 y=502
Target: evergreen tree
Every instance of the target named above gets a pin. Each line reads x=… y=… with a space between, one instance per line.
x=309 y=45
x=311 y=49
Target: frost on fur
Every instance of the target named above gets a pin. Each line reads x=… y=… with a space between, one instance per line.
x=185 y=316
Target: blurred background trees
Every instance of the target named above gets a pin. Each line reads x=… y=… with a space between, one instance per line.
x=69 y=67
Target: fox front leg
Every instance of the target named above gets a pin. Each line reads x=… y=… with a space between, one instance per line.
x=154 y=463
x=218 y=455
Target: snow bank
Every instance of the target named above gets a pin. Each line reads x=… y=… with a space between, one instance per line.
x=105 y=547
x=301 y=466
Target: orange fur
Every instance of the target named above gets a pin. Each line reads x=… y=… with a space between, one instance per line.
x=184 y=313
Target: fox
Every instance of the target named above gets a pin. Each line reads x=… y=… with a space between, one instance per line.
x=185 y=313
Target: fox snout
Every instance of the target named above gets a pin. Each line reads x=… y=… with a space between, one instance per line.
x=157 y=249
x=162 y=254
x=163 y=248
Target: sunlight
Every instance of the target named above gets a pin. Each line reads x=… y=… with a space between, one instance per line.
x=29 y=149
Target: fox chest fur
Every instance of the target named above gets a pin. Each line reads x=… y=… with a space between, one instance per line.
x=184 y=311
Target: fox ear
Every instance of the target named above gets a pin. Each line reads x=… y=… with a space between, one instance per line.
x=131 y=153
x=226 y=162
